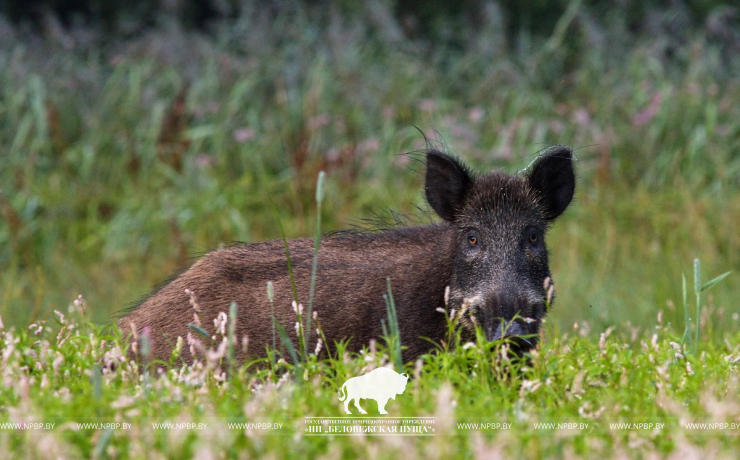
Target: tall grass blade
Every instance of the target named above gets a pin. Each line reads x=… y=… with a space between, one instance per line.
x=199 y=330
x=96 y=381
x=315 y=263
x=287 y=250
x=102 y=443
x=685 y=298
x=288 y=345
x=392 y=334
x=697 y=294
x=714 y=281
x=38 y=97
x=561 y=26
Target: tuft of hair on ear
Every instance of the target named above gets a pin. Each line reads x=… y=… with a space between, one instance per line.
x=447 y=183
x=552 y=176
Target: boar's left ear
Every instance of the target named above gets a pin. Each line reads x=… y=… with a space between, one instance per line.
x=553 y=177
x=447 y=183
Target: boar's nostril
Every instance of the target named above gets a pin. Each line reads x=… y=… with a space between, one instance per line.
x=514 y=328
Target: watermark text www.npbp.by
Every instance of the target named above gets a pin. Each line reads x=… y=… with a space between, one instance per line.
x=26 y=426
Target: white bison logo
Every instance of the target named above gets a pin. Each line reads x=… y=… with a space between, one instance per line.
x=380 y=384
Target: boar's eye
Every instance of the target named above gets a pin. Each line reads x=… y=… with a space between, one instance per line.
x=473 y=239
x=532 y=236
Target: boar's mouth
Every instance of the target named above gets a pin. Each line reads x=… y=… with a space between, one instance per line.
x=520 y=345
x=520 y=333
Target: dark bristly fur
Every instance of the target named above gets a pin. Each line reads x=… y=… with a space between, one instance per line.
x=489 y=249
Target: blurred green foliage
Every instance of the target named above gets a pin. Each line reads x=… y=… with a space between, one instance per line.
x=440 y=20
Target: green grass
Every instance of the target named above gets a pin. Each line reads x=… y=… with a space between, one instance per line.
x=52 y=374
x=112 y=176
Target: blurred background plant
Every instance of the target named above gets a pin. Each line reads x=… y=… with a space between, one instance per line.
x=136 y=135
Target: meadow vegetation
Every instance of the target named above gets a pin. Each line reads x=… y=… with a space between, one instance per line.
x=121 y=161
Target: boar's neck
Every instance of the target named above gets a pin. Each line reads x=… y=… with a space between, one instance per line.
x=411 y=256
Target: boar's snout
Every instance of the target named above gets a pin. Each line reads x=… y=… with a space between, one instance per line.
x=515 y=316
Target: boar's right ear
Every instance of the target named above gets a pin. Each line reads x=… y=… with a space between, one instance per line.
x=447 y=183
x=553 y=177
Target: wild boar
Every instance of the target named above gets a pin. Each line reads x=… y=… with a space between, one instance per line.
x=488 y=253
